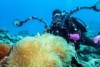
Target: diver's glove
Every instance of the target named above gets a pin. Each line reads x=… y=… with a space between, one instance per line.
x=97 y=40
x=74 y=36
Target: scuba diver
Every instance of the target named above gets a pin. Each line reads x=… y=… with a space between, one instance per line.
x=65 y=25
x=69 y=28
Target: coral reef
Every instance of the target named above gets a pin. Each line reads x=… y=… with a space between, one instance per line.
x=43 y=51
x=5 y=37
x=89 y=56
x=40 y=51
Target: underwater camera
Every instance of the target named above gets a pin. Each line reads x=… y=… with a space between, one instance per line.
x=96 y=7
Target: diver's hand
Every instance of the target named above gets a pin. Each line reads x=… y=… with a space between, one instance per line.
x=74 y=36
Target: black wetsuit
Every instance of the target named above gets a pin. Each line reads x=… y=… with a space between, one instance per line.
x=72 y=26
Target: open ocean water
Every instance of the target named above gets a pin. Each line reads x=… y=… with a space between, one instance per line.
x=22 y=9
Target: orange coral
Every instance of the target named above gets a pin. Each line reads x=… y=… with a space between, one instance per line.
x=4 y=50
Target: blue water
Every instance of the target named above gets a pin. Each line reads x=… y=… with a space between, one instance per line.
x=22 y=9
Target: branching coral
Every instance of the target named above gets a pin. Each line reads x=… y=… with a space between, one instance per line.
x=40 y=51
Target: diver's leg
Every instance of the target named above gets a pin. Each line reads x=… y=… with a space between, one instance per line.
x=89 y=42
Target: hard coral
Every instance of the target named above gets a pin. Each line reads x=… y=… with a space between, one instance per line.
x=42 y=51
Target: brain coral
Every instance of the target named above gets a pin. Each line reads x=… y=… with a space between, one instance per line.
x=40 y=51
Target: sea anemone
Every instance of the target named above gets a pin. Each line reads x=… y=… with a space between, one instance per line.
x=40 y=51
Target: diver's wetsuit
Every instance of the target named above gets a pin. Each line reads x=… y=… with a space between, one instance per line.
x=72 y=26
